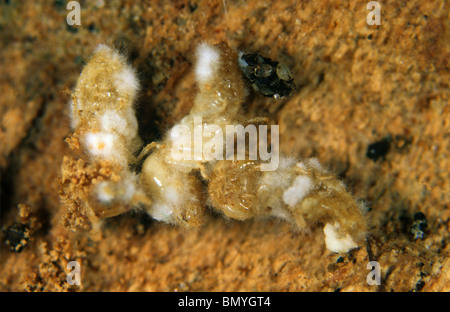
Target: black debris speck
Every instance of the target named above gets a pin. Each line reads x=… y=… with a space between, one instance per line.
x=59 y=4
x=340 y=260
x=92 y=28
x=193 y=7
x=320 y=78
x=72 y=29
x=16 y=236
x=419 y=226
x=378 y=149
x=420 y=285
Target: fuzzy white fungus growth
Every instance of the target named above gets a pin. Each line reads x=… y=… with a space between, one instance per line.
x=121 y=191
x=101 y=144
x=163 y=210
x=300 y=188
x=208 y=59
x=105 y=193
x=123 y=124
x=314 y=163
x=335 y=242
x=103 y=48
x=126 y=82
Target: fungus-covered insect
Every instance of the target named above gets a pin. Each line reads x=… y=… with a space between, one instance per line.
x=176 y=189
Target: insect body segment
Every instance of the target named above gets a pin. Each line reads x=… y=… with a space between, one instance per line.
x=301 y=193
x=106 y=130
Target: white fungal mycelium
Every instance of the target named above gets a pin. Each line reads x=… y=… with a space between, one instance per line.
x=337 y=242
x=101 y=144
x=122 y=191
x=208 y=60
x=301 y=186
